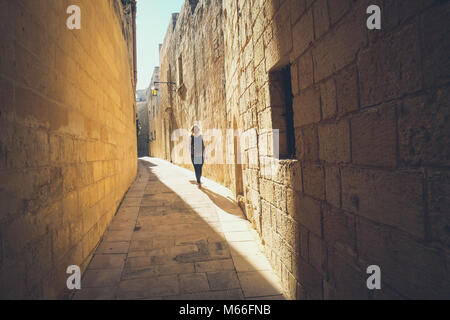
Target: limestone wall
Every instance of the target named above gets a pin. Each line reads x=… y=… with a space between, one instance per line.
x=68 y=138
x=143 y=136
x=368 y=181
x=369 y=185
x=195 y=40
x=155 y=148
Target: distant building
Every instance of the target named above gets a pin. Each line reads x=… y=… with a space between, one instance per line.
x=142 y=116
x=153 y=108
x=141 y=95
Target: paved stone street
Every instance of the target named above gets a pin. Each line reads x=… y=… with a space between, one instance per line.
x=172 y=240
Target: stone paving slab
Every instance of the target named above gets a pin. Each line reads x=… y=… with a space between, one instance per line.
x=174 y=241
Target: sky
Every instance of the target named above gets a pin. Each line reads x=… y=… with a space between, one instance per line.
x=152 y=20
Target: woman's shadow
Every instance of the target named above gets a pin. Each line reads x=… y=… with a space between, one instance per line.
x=225 y=203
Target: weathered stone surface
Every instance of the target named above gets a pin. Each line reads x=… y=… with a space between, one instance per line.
x=338 y=48
x=113 y=247
x=374 y=139
x=347 y=90
x=393 y=250
x=334 y=142
x=436 y=43
x=308 y=214
x=420 y=142
x=107 y=261
x=328 y=98
x=71 y=143
x=391 y=68
x=185 y=259
x=313 y=181
x=148 y=288
x=321 y=18
x=307 y=145
x=333 y=186
x=339 y=228
x=223 y=280
x=307 y=107
x=344 y=273
x=101 y=278
x=338 y=9
x=438 y=198
x=303 y=33
x=214 y=265
x=310 y=279
x=305 y=72
x=193 y=282
x=394 y=199
x=259 y=284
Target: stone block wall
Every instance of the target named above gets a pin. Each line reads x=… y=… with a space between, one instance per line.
x=154 y=118
x=67 y=142
x=143 y=137
x=368 y=184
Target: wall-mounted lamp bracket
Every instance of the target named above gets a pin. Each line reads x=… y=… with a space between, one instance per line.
x=155 y=90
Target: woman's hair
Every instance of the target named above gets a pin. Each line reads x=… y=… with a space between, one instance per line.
x=194 y=128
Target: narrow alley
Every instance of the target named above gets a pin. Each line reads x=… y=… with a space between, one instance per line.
x=320 y=130
x=172 y=240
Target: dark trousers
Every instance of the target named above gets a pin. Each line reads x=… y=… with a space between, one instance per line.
x=198 y=171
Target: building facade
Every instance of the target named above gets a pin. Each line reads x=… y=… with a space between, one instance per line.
x=153 y=108
x=142 y=116
x=358 y=118
x=67 y=142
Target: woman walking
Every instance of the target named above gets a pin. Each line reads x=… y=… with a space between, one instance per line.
x=197 y=153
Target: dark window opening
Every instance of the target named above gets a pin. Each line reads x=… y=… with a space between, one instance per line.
x=281 y=99
x=193 y=5
x=180 y=71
